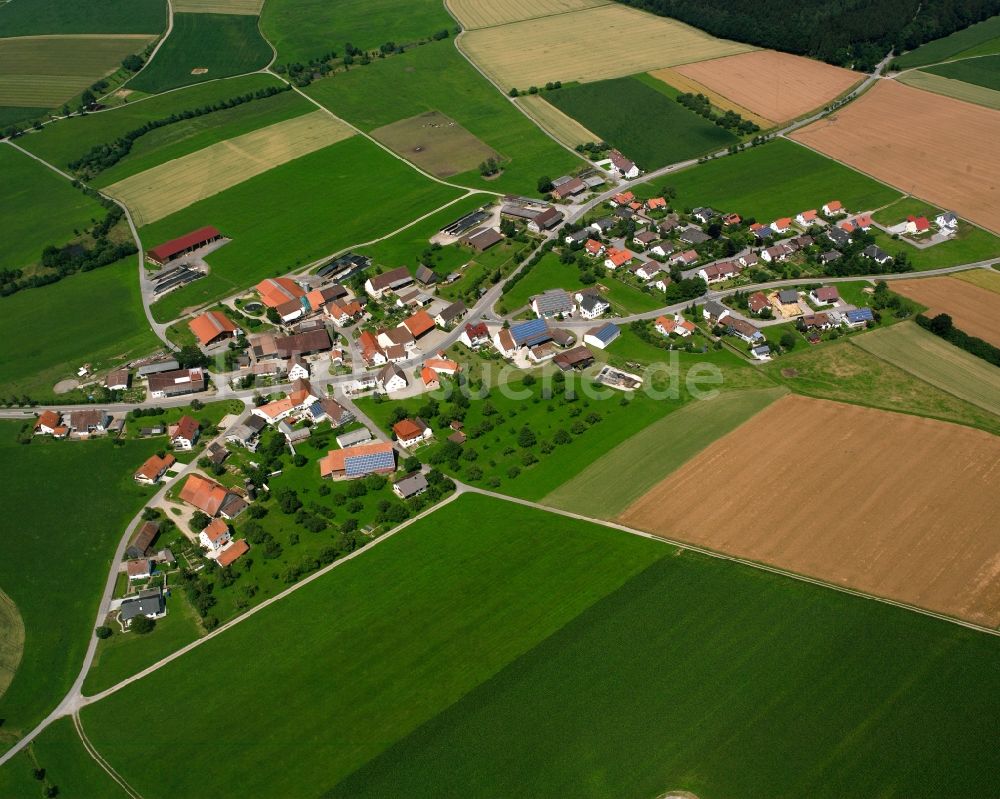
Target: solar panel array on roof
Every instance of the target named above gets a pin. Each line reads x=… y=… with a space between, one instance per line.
x=528 y=334
x=861 y=315
x=365 y=464
x=607 y=333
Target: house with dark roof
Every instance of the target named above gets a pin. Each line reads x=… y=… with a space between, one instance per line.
x=592 y=304
x=177 y=383
x=148 y=603
x=576 y=358
x=393 y=280
x=448 y=316
x=877 y=254
x=622 y=166
x=410 y=486
x=391 y=378
x=546 y=220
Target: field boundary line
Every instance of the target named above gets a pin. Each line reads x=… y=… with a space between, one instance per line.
x=742 y=561
x=97 y=758
x=447 y=8
x=159 y=44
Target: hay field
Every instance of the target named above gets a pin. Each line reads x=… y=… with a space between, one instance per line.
x=46 y=71
x=11 y=640
x=949 y=87
x=777 y=86
x=673 y=77
x=937 y=362
x=477 y=14
x=936 y=148
x=984 y=278
x=974 y=309
x=563 y=127
x=889 y=504
x=435 y=143
x=251 y=7
x=173 y=186
x=605 y=42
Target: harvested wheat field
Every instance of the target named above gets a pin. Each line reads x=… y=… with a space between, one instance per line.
x=959 y=89
x=889 y=504
x=169 y=187
x=560 y=125
x=973 y=309
x=936 y=148
x=609 y=41
x=249 y=7
x=775 y=85
x=673 y=77
x=477 y=14
x=45 y=71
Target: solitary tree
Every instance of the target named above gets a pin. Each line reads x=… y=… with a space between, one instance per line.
x=103 y=632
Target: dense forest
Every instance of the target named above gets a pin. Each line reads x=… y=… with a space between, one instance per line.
x=851 y=33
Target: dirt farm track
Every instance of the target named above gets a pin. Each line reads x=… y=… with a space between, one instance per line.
x=936 y=148
x=890 y=504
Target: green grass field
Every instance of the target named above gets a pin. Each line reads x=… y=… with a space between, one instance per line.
x=970 y=245
x=777 y=179
x=612 y=482
x=67 y=765
x=435 y=77
x=223 y=44
x=100 y=322
x=934 y=360
x=305 y=29
x=312 y=210
x=10 y=114
x=978 y=39
x=125 y=654
x=174 y=141
x=539 y=651
x=32 y=192
x=550 y=273
x=87 y=515
x=493 y=581
x=645 y=124
x=896 y=212
x=847 y=373
x=41 y=17
x=68 y=139
x=701 y=676
x=981 y=71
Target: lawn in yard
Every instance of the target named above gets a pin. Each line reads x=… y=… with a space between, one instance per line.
x=67 y=140
x=778 y=179
x=551 y=273
x=435 y=77
x=394 y=646
x=33 y=192
x=301 y=29
x=645 y=124
x=703 y=677
x=898 y=211
x=934 y=360
x=68 y=766
x=204 y=47
x=297 y=213
x=969 y=245
x=100 y=322
x=96 y=498
x=847 y=372
x=49 y=17
x=189 y=136
x=612 y=482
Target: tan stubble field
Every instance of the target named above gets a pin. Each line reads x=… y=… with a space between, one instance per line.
x=893 y=505
x=973 y=309
x=936 y=148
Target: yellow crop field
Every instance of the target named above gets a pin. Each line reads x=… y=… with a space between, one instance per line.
x=169 y=187
x=959 y=89
x=563 y=127
x=683 y=83
x=477 y=14
x=46 y=71
x=608 y=41
x=250 y=7
x=984 y=278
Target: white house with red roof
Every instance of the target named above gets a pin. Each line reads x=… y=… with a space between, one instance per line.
x=806 y=218
x=215 y=536
x=833 y=208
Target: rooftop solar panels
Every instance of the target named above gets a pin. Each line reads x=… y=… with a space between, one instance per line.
x=366 y=464
x=528 y=334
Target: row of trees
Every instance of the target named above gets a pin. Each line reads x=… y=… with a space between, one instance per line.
x=104 y=156
x=942 y=325
x=729 y=120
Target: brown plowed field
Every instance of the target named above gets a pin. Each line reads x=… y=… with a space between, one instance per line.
x=973 y=309
x=775 y=85
x=893 y=505
x=683 y=83
x=936 y=148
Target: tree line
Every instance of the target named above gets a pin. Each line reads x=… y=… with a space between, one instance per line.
x=851 y=33
x=104 y=156
x=729 y=120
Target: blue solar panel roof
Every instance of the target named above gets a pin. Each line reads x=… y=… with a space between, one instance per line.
x=607 y=332
x=365 y=464
x=861 y=315
x=531 y=332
